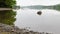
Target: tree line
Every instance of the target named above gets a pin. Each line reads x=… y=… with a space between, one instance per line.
x=7 y=16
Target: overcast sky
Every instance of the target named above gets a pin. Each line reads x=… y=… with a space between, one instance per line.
x=37 y=2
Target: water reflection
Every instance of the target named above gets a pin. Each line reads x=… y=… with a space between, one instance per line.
x=48 y=21
x=53 y=7
x=7 y=17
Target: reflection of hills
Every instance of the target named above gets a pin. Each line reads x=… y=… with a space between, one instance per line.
x=55 y=7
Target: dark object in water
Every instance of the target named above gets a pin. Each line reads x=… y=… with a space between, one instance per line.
x=39 y=12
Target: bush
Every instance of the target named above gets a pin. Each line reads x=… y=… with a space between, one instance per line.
x=7 y=16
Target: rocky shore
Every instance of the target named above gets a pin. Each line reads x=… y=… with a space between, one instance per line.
x=7 y=29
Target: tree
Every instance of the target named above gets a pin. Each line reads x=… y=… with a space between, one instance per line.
x=7 y=3
x=7 y=16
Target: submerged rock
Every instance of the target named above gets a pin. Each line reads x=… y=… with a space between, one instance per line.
x=7 y=29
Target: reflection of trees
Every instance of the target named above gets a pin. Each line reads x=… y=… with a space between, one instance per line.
x=7 y=16
x=54 y=7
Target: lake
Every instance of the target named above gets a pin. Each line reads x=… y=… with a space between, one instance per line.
x=48 y=21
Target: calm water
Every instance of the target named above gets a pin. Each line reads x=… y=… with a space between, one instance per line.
x=49 y=21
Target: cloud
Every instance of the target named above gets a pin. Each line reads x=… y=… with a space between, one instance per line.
x=37 y=2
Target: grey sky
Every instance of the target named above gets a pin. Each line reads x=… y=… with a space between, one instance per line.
x=37 y=2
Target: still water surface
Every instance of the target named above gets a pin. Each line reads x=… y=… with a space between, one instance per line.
x=49 y=21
